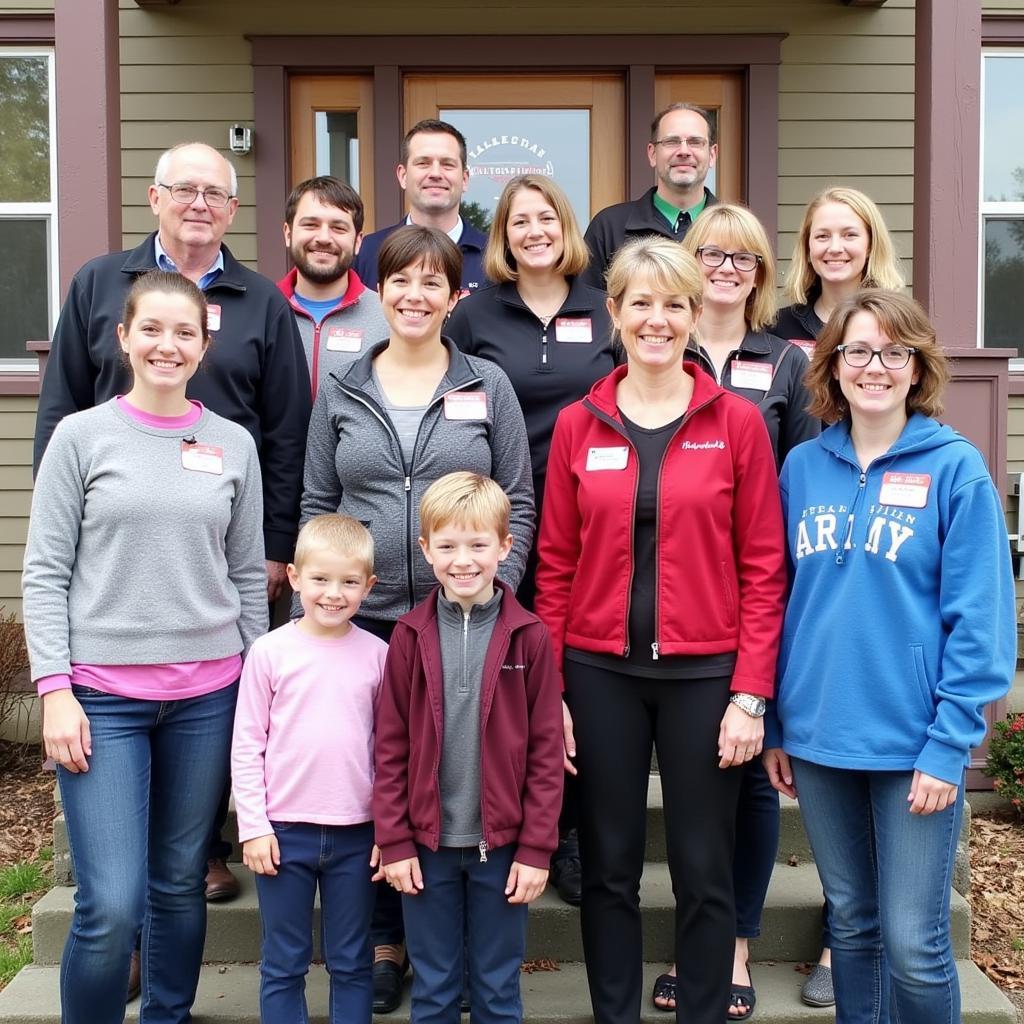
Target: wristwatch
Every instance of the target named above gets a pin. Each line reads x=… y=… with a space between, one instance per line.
x=753 y=706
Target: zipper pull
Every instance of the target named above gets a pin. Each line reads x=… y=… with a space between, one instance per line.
x=654 y=651
x=544 y=349
x=483 y=851
x=408 y=483
x=863 y=479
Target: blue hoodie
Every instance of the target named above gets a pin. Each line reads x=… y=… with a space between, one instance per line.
x=901 y=619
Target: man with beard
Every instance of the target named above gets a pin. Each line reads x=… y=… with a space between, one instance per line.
x=337 y=316
x=682 y=150
x=433 y=175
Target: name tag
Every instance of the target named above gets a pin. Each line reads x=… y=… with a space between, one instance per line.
x=607 y=458
x=756 y=376
x=202 y=458
x=805 y=344
x=344 y=339
x=465 y=405
x=213 y=316
x=576 y=331
x=907 y=489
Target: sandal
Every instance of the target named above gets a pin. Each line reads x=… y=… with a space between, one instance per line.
x=664 y=989
x=744 y=998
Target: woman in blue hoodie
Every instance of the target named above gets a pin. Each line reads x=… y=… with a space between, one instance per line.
x=900 y=628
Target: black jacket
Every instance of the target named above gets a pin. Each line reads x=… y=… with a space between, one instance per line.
x=471 y=243
x=615 y=224
x=547 y=373
x=798 y=323
x=784 y=404
x=254 y=374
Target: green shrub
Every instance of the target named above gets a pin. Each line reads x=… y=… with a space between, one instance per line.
x=1005 y=761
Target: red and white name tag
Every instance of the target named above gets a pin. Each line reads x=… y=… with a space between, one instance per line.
x=804 y=343
x=907 y=489
x=465 y=405
x=754 y=376
x=607 y=458
x=575 y=330
x=344 y=339
x=213 y=316
x=202 y=458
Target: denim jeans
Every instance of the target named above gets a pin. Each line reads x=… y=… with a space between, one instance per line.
x=337 y=859
x=138 y=825
x=887 y=875
x=458 y=889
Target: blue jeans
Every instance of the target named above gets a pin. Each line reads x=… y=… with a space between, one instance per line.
x=458 y=888
x=887 y=875
x=139 y=822
x=337 y=858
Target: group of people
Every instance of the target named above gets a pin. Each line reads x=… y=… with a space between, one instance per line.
x=560 y=501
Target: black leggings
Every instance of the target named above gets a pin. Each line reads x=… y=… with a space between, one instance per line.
x=616 y=719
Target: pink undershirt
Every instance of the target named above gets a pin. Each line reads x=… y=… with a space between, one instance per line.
x=152 y=682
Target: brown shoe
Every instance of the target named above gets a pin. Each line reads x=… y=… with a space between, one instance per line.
x=134 y=976
x=220 y=883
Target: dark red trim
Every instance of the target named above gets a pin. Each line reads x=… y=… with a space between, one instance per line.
x=27 y=28
x=1002 y=30
x=270 y=159
x=1016 y=384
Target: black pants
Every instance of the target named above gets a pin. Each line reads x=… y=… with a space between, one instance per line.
x=616 y=720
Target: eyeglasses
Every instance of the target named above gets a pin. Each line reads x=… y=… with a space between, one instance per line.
x=892 y=357
x=675 y=141
x=713 y=257
x=186 y=194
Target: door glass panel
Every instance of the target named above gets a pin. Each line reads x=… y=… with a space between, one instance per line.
x=24 y=285
x=504 y=143
x=337 y=144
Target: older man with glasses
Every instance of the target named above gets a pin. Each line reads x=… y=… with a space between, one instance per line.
x=683 y=148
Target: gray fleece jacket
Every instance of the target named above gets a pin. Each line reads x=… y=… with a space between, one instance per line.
x=134 y=559
x=354 y=465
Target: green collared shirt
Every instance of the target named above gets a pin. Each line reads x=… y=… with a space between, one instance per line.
x=678 y=219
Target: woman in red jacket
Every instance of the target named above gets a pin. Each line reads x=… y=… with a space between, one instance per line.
x=661 y=578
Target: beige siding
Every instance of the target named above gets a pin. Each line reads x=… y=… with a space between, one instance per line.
x=1002 y=7
x=26 y=6
x=846 y=102
x=17 y=425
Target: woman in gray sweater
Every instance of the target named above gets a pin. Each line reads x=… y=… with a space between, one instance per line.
x=144 y=584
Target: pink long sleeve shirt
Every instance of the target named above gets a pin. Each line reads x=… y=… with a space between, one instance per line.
x=303 y=740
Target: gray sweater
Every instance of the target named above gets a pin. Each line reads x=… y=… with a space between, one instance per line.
x=354 y=465
x=133 y=559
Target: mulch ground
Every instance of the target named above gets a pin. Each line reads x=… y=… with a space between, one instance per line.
x=26 y=804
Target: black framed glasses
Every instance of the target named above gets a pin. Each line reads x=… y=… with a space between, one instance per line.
x=711 y=256
x=892 y=357
x=181 y=192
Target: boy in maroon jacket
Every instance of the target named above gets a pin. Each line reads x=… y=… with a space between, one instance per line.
x=469 y=762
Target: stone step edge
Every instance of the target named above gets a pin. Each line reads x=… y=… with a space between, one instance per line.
x=229 y=994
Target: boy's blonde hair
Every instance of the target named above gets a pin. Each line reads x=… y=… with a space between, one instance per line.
x=468 y=499
x=342 y=535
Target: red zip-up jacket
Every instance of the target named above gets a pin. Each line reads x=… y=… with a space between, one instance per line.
x=720 y=579
x=520 y=737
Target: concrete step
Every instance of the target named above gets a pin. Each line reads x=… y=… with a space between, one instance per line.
x=790 y=926
x=230 y=995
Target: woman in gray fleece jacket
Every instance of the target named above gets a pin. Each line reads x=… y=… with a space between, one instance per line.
x=144 y=584
x=412 y=409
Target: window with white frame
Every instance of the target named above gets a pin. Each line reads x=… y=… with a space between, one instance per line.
x=28 y=202
x=1002 y=200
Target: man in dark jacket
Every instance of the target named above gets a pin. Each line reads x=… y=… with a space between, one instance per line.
x=433 y=175
x=683 y=148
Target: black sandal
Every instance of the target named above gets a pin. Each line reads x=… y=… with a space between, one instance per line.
x=664 y=988
x=742 y=997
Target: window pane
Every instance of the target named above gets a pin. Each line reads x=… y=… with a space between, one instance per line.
x=1004 y=271
x=24 y=286
x=337 y=145
x=24 y=130
x=1004 y=143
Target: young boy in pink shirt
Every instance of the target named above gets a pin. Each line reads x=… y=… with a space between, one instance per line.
x=469 y=762
x=302 y=773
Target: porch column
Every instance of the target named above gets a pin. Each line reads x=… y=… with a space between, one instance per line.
x=88 y=132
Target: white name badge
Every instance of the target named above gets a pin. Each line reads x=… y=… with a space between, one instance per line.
x=202 y=458
x=344 y=339
x=574 y=330
x=805 y=345
x=465 y=405
x=607 y=458
x=907 y=489
x=213 y=316
x=755 y=376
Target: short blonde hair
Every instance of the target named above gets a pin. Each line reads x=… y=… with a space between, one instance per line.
x=664 y=263
x=465 y=498
x=341 y=535
x=731 y=226
x=903 y=321
x=882 y=269
x=498 y=262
